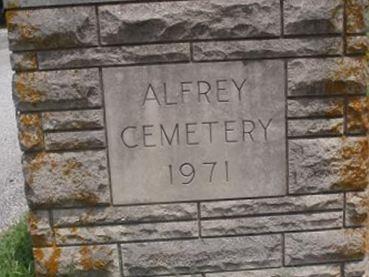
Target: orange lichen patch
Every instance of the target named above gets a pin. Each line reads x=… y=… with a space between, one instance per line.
x=355 y=15
x=349 y=70
x=18 y=21
x=358 y=44
x=52 y=264
x=30 y=131
x=71 y=165
x=38 y=162
x=336 y=110
x=86 y=197
x=88 y=262
x=336 y=128
x=358 y=114
x=354 y=171
x=38 y=254
x=25 y=89
x=12 y=4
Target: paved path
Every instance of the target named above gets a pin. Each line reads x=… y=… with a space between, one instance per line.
x=12 y=201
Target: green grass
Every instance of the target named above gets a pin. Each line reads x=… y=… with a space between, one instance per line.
x=16 y=252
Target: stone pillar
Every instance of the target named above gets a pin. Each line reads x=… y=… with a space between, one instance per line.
x=201 y=138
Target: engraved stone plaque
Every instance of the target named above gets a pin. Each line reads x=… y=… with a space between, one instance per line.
x=196 y=131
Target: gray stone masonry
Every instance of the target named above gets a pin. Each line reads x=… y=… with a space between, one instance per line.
x=304 y=64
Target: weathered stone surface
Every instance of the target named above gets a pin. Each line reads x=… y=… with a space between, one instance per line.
x=95 y=260
x=23 y=61
x=233 y=50
x=330 y=164
x=40 y=228
x=30 y=133
x=315 y=127
x=12 y=4
x=307 y=107
x=126 y=233
x=324 y=246
x=178 y=21
x=356 y=269
x=57 y=90
x=75 y=140
x=73 y=120
x=358 y=115
x=65 y=179
x=303 y=17
x=123 y=215
x=304 y=271
x=326 y=76
x=143 y=54
x=206 y=255
x=259 y=99
x=356 y=208
x=357 y=44
x=279 y=223
x=66 y=27
x=271 y=205
x=356 y=16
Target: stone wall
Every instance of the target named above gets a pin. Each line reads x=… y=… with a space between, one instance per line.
x=317 y=228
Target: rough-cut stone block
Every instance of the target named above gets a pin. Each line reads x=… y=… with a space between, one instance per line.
x=330 y=164
x=40 y=228
x=357 y=45
x=51 y=28
x=233 y=50
x=143 y=54
x=65 y=179
x=314 y=127
x=324 y=246
x=75 y=140
x=30 y=133
x=12 y=4
x=304 y=271
x=206 y=255
x=126 y=233
x=23 y=61
x=356 y=208
x=307 y=107
x=271 y=205
x=96 y=260
x=123 y=215
x=57 y=90
x=302 y=17
x=357 y=11
x=358 y=115
x=279 y=223
x=178 y=21
x=73 y=120
x=326 y=76
x=357 y=269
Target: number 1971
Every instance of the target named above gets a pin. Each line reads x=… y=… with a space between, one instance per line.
x=187 y=171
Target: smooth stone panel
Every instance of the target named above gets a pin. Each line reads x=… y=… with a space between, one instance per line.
x=159 y=134
x=206 y=255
